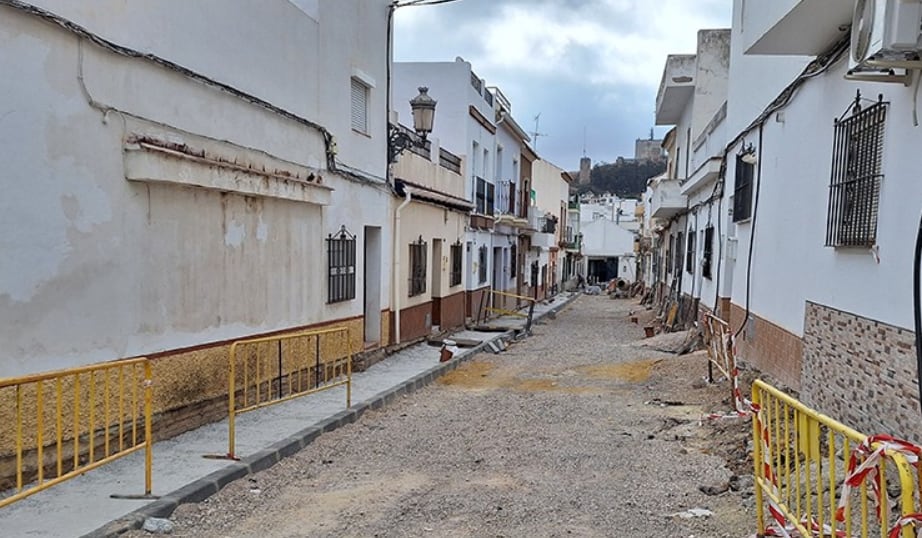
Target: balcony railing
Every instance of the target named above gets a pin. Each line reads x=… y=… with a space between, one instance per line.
x=547 y=224
x=572 y=240
x=449 y=161
x=507 y=203
x=476 y=83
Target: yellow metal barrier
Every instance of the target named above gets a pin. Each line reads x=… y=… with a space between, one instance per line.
x=490 y=298
x=84 y=417
x=275 y=369
x=801 y=459
x=717 y=339
x=494 y=293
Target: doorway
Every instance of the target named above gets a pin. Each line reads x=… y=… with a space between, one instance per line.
x=436 y=281
x=372 y=285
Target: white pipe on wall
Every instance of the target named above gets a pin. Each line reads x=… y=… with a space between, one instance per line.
x=396 y=283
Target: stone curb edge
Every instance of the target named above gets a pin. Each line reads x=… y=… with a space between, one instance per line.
x=207 y=486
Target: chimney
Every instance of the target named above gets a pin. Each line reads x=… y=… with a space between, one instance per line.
x=585 y=166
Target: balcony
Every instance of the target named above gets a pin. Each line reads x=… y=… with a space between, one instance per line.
x=676 y=88
x=508 y=205
x=667 y=199
x=571 y=246
x=706 y=174
x=794 y=27
x=572 y=242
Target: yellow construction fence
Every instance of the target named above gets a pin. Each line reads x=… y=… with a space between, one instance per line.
x=802 y=459
x=274 y=369
x=58 y=425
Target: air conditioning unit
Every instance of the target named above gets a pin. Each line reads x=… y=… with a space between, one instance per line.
x=886 y=34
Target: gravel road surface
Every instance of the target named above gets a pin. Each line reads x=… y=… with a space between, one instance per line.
x=558 y=436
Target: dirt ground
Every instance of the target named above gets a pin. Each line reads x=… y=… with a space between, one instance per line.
x=576 y=431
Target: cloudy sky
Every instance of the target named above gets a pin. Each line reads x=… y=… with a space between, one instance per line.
x=592 y=65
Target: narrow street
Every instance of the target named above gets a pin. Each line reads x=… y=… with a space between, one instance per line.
x=557 y=436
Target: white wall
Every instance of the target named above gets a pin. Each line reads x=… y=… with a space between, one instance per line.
x=791 y=263
x=97 y=267
x=756 y=80
x=712 y=70
x=605 y=238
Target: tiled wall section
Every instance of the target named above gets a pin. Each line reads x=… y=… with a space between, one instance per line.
x=861 y=372
x=768 y=348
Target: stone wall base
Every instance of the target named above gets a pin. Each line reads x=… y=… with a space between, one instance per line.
x=768 y=347
x=861 y=372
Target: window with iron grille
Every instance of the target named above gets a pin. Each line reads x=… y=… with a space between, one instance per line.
x=482 y=261
x=418 y=267
x=359 y=106
x=515 y=261
x=456 y=264
x=708 y=252
x=690 y=252
x=491 y=199
x=679 y=253
x=742 y=190
x=854 y=189
x=340 y=266
x=668 y=258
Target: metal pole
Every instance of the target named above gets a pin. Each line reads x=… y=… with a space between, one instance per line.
x=148 y=426
x=317 y=364
x=280 y=368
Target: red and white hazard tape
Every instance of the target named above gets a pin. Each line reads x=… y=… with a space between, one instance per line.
x=905 y=521
x=781 y=527
x=742 y=406
x=875 y=448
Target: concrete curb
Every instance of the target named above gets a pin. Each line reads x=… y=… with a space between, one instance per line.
x=207 y=486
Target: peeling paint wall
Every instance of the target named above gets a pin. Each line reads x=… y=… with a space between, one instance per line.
x=96 y=267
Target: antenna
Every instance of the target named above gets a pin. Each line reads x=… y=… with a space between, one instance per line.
x=584 y=140
x=651 y=133
x=536 y=133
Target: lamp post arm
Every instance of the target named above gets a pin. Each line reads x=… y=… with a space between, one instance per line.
x=397 y=142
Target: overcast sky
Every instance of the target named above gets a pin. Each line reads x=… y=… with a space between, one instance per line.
x=582 y=64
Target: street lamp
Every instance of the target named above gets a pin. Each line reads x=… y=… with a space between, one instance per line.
x=423 y=108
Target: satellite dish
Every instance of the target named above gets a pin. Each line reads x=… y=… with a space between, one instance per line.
x=862 y=24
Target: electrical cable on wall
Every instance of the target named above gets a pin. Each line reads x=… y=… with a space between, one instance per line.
x=752 y=236
x=917 y=307
x=74 y=28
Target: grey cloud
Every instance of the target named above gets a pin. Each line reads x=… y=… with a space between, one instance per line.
x=569 y=94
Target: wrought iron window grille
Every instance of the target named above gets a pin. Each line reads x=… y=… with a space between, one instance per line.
x=340 y=266
x=456 y=260
x=418 y=267
x=743 y=186
x=854 y=186
x=708 y=252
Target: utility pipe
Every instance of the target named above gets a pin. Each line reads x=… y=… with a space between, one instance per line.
x=396 y=284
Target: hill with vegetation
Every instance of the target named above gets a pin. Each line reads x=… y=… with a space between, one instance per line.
x=627 y=177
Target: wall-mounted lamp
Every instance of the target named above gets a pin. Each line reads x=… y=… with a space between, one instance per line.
x=423 y=108
x=748 y=155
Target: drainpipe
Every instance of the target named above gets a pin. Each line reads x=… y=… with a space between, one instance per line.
x=396 y=283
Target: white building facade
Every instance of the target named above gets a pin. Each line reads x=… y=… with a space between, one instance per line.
x=828 y=284
x=475 y=122
x=686 y=209
x=166 y=201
